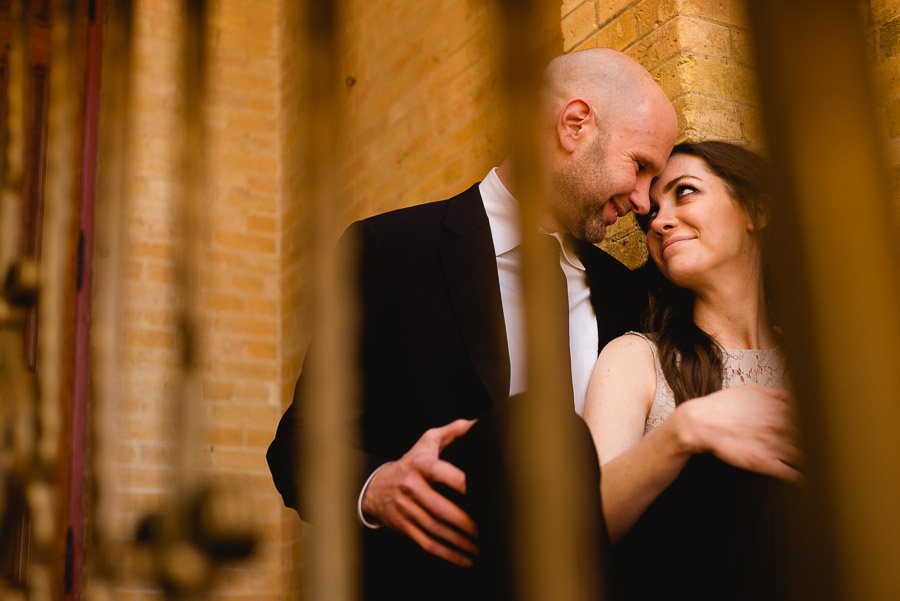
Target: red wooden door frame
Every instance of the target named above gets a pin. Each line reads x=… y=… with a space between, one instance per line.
x=75 y=539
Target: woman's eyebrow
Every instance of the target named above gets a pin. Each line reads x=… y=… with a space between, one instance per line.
x=673 y=182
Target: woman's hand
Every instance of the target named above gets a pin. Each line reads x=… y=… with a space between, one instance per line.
x=751 y=427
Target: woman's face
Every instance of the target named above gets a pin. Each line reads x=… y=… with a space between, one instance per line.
x=698 y=233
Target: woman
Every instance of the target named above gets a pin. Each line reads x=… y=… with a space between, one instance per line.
x=673 y=499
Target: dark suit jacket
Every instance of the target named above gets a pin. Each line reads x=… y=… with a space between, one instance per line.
x=432 y=349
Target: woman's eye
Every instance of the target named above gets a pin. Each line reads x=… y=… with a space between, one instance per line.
x=683 y=190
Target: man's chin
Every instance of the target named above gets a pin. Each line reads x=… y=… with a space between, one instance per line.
x=593 y=233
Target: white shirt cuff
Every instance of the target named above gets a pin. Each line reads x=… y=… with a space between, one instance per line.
x=359 y=510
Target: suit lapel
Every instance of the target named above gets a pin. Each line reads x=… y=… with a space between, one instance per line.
x=618 y=296
x=470 y=265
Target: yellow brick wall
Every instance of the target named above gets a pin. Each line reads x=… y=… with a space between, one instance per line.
x=240 y=304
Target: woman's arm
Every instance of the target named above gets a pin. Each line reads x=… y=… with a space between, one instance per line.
x=635 y=468
x=749 y=427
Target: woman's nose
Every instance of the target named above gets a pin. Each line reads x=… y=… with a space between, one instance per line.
x=663 y=221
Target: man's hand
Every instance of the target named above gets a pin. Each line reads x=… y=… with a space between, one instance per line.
x=751 y=427
x=400 y=496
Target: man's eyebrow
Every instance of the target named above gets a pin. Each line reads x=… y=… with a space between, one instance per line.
x=672 y=183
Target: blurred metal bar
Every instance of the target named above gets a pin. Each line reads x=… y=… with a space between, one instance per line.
x=112 y=210
x=188 y=247
x=15 y=138
x=333 y=545
x=838 y=288
x=42 y=492
x=545 y=473
x=18 y=285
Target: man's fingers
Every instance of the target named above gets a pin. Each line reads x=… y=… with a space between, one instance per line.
x=787 y=472
x=453 y=430
x=438 y=529
x=446 y=473
x=441 y=508
x=433 y=537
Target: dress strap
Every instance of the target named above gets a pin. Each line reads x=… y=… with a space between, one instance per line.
x=663 y=399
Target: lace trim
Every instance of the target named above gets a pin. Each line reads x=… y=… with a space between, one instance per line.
x=740 y=366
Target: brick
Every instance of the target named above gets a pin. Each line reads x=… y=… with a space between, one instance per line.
x=753 y=126
x=568 y=6
x=658 y=46
x=255 y=392
x=618 y=33
x=224 y=302
x=258 y=223
x=579 y=24
x=250 y=460
x=652 y=14
x=724 y=11
x=245 y=242
x=693 y=74
x=704 y=38
x=216 y=390
x=262 y=306
x=222 y=347
x=700 y=117
x=262 y=350
x=141 y=337
x=146 y=478
x=887 y=78
x=260 y=439
x=151 y=250
x=882 y=10
x=245 y=415
x=742 y=47
x=244 y=326
x=221 y=436
x=626 y=242
x=163 y=273
x=157 y=455
x=889 y=39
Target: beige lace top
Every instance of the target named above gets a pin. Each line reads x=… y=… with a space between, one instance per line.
x=742 y=366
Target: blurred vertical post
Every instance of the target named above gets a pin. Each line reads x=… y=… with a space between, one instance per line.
x=111 y=211
x=11 y=207
x=190 y=238
x=42 y=492
x=547 y=512
x=838 y=289
x=17 y=431
x=327 y=469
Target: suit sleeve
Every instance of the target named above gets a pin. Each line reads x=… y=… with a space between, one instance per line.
x=285 y=454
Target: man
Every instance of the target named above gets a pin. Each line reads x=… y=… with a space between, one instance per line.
x=442 y=338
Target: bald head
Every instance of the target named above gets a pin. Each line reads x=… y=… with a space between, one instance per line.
x=611 y=81
x=606 y=130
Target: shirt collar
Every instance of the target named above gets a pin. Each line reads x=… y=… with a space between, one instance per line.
x=503 y=215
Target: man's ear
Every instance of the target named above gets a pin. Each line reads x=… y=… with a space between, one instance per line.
x=575 y=117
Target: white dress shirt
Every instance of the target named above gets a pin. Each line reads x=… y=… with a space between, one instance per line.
x=503 y=214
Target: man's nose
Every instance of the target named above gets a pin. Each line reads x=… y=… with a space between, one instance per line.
x=640 y=196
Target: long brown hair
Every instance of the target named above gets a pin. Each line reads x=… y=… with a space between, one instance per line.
x=691 y=360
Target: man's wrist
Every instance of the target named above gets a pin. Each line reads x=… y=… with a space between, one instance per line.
x=374 y=525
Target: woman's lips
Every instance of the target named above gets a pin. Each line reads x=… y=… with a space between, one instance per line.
x=674 y=240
